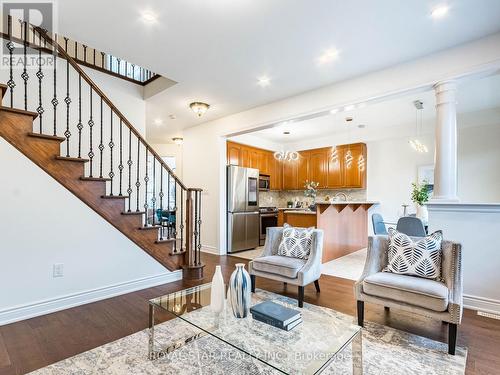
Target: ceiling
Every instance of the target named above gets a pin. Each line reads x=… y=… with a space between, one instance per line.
x=216 y=49
x=472 y=96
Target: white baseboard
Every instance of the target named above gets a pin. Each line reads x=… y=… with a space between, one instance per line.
x=210 y=249
x=21 y=312
x=482 y=304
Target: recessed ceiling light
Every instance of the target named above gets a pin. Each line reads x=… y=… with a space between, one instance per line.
x=440 y=11
x=286 y=132
x=328 y=56
x=158 y=121
x=149 y=17
x=348 y=119
x=264 y=81
x=334 y=111
x=349 y=107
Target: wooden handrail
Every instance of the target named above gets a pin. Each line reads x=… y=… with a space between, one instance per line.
x=110 y=104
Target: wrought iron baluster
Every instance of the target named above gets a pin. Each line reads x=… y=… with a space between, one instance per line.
x=199 y=229
x=85 y=53
x=101 y=145
x=175 y=213
x=195 y=227
x=39 y=75
x=67 y=100
x=102 y=60
x=76 y=50
x=54 y=101
x=129 y=163
x=181 y=226
x=10 y=46
x=25 y=76
x=120 y=166
x=111 y=146
x=126 y=68
x=79 y=126
x=94 y=56
x=146 y=179
x=91 y=127
x=65 y=44
x=161 y=207
x=137 y=182
x=118 y=61
x=153 y=199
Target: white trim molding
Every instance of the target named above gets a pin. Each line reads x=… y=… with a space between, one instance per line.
x=482 y=304
x=463 y=207
x=21 y=312
x=210 y=249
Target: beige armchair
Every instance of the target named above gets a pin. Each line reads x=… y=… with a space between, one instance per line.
x=290 y=270
x=435 y=299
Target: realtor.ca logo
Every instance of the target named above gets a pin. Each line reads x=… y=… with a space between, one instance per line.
x=24 y=45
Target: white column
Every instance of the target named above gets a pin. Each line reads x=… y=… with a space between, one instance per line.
x=445 y=155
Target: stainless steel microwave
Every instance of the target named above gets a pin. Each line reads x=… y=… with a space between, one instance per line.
x=264 y=182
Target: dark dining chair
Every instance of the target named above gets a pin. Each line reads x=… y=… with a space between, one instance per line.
x=411 y=226
x=378 y=224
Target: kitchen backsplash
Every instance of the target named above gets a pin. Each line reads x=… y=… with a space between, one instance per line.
x=280 y=198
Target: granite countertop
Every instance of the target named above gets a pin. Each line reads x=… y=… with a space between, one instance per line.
x=348 y=202
x=300 y=212
x=292 y=208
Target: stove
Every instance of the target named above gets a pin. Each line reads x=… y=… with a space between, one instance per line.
x=268 y=218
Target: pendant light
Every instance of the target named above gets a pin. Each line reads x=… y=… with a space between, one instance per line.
x=415 y=143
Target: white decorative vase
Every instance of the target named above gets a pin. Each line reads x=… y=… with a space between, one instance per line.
x=239 y=291
x=423 y=213
x=217 y=291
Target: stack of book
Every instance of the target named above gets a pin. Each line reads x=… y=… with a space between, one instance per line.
x=276 y=315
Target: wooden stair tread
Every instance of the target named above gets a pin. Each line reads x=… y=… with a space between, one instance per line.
x=104 y=179
x=166 y=240
x=151 y=227
x=133 y=213
x=47 y=136
x=66 y=158
x=114 y=196
x=179 y=252
x=19 y=111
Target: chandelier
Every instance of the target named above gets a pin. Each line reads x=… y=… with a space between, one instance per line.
x=415 y=143
x=286 y=155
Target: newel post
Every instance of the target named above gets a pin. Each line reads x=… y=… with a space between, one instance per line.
x=193 y=267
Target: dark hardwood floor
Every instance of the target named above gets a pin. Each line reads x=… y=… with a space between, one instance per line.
x=38 y=342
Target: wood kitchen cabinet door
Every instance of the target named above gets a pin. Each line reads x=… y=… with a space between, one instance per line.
x=275 y=172
x=233 y=154
x=290 y=175
x=318 y=167
x=254 y=158
x=335 y=161
x=355 y=173
x=263 y=164
x=303 y=169
x=245 y=157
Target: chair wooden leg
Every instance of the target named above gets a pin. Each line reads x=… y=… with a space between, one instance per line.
x=301 y=296
x=252 y=281
x=361 y=312
x=452 y=338
x=316 y=284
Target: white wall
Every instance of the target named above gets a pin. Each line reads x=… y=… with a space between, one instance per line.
x=44 y=224
x=204 y=150
x=169 y=149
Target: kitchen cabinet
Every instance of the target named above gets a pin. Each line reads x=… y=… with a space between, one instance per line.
x=318 y=167
x=335 y=173
x=355 y=171
x=327 y=166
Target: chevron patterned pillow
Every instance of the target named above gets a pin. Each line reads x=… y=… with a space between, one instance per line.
x=296 y=242
x=416 y=258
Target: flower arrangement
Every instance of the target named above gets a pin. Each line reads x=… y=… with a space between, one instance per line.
x=420 y=193
x=311 y=189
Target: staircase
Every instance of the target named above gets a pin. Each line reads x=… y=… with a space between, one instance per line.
x=121 y=177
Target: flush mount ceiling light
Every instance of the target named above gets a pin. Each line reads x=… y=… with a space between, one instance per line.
x=328 y=56
x=440 y=11
x=158 y=121
x=264 y=81
x=149 y=17
x=178 y=140
x=199 y=108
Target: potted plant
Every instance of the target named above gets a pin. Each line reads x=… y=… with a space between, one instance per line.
x=420 y=196
x=310 y=191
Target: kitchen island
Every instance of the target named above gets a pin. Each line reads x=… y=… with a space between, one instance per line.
x=345 y=225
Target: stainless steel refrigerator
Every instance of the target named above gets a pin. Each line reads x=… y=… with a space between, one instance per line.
x=242 y=208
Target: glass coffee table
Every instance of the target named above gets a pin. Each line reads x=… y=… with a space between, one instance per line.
x=309 y=348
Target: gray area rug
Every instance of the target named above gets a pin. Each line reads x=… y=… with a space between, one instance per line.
x=385 y=351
